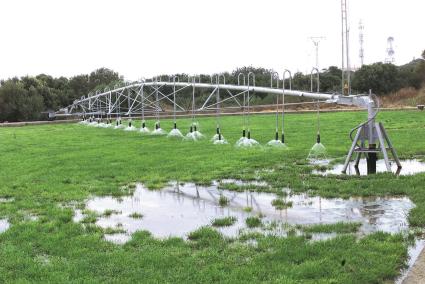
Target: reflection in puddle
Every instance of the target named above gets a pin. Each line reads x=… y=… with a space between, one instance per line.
x=409 y=167
x=4 y=225
x=179 y=209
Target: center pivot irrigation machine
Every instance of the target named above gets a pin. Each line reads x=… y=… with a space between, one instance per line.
x=145 y=97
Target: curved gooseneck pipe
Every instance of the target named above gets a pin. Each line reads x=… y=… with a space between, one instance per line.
x=315 y=70
x=286 y=71
x=175 y=78
x=192 y=79
x=250 y=75
x=108 y=115
x=274 y=75
x=244 y=103
x=217 y=81
x=157 y=123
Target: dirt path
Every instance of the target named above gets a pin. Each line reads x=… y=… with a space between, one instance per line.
x=417 y=274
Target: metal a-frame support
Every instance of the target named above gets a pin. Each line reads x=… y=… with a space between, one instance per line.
x=371 y=132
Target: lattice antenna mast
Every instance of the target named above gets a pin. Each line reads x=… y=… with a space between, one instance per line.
x=390 y=51
x=316 y=40
x=345 y=52
x=361 y=41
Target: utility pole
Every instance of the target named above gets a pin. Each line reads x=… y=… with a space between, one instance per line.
x=345 y=65
x=316 y=40
x=361 y=41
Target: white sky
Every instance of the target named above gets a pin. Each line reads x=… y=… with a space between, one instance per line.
x=145 y=38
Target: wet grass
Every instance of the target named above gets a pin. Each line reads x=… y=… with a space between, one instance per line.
x=224 y=222
x=223 y=201
x=253 y=222
x=47 y=165
x=281 y=204
x=339 y=228
x=136 y=215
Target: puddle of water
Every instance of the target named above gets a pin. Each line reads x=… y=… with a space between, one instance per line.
x=409 y=167
x=4 y=225
x=179 y=209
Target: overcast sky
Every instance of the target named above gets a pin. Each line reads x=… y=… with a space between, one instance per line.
x=145 y=38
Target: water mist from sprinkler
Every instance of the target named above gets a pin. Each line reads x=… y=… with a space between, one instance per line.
x=318 y=151
x=248 y=142
x=175 y=132
x=194 y=133
x=218 y=137
x=158 y=130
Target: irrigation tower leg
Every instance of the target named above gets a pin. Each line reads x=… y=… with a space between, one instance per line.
x=390 y=145
x=350 y=153
x=382 y=146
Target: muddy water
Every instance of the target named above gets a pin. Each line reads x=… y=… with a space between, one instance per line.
x=4 y=225
x=409 y=167
x=179 y=209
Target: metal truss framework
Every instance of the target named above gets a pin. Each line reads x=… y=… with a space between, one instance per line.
x=135 y=99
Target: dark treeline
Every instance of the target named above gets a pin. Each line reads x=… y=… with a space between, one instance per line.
x=26 y=98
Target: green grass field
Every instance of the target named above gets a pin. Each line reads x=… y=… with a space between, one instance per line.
x=44 y=166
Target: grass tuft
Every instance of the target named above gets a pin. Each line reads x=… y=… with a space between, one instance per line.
x=281 y=204
x=253 y=222
x=224 y=222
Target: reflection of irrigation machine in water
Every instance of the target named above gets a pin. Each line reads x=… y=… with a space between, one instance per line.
x=370 y=137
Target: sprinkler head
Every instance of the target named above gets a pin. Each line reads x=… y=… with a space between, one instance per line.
x=218 y=131
x=143 y=125
x=219 y=136
x=249 y=134
x=129 y=124
x=194 y=127
x=276 y=136
x=243 y=133
x=175 y=125
x=191 y=129
x=283 y=137
x=318 y=138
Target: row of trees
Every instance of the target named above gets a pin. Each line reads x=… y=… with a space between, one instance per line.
x=27 y=97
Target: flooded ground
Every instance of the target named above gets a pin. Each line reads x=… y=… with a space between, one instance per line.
x=182 y=208
x=4 y=225
x=409 y=167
